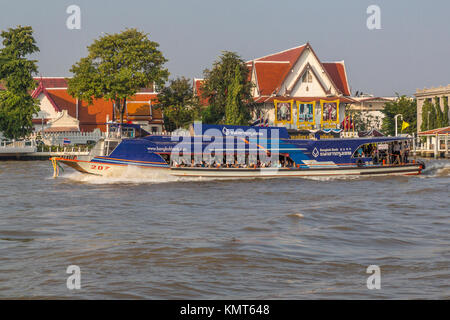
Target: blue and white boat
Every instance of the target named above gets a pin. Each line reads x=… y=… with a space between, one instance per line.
x=222 y=151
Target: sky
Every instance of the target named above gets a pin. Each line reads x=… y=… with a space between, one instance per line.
x=410 y=51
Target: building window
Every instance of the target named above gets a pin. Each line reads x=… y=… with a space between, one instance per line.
x=154 y=129
x=307 y=77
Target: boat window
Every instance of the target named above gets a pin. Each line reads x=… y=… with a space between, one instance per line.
x=110 y=146
x=365 y=151
x=232 y=160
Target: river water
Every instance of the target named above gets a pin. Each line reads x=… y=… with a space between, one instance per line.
x=155 y=237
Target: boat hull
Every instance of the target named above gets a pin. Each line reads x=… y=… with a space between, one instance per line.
x=408 y=169
x=114 y=170
x=105 y=169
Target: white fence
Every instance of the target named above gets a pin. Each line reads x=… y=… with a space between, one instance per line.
x=16 y=147
x=57 y=138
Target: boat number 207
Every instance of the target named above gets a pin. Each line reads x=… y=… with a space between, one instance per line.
x=96 y=167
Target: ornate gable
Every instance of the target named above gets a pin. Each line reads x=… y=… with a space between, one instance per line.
x=297 y=72
x=308 y=78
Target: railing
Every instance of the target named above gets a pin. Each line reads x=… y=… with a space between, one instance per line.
x=57 y=138
x=67 y=149
x=17 y=144
x=17 y=147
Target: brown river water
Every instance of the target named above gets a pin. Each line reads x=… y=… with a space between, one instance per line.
x=155 y=237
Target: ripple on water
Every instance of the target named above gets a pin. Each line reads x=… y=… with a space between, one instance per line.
x=154 y=237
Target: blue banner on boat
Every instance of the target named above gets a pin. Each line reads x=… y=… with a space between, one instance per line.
x=240 y=131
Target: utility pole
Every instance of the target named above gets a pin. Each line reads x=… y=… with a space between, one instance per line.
x=396 y=127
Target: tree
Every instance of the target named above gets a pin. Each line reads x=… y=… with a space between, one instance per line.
x=236 y=112
x=432 y=117
x=217 y=84
x=439 y=113
x=17 y=107
x=427 y=118
x=405 y=106
x=445 y=118
x=117 y=67
x=179 y=105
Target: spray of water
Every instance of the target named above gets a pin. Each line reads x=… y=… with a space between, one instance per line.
x=436 y=168
x=131 y=175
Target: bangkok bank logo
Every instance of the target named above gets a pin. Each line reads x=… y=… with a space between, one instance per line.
x=225 y=131
x=239 y=132
x=315 y=153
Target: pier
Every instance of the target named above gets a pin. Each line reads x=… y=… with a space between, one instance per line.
x=433 y=143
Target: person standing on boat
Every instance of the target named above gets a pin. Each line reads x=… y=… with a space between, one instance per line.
x=406 y=154
x=396 y=149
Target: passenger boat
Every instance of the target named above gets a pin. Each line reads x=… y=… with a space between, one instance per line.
x=222 y=151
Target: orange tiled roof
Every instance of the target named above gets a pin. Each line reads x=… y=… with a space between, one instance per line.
x=290 y=55
x=138 y=107
x=198 y=91
x=61 y=129
x=269 y=75
x=52 y=82
x=64 y=101
x=445 y=130
x=336 y=70
x=94 y=115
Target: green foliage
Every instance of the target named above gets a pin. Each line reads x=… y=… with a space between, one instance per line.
x=117 y=67
x=179 y=105
x=217 y=84
x=432 y=115
x=445 y=120
x=439 y=113
x=17 y=107
x=407 y=108
x=236 y=113
x=426 y=109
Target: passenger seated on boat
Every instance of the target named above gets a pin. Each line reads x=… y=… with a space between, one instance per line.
x=359 y=152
